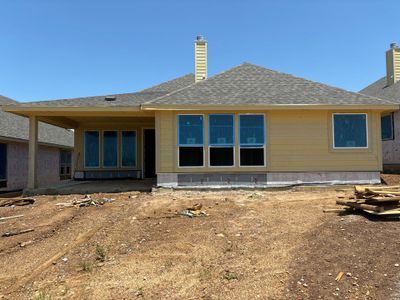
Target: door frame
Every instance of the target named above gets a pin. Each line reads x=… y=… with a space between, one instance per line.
x=142 y=148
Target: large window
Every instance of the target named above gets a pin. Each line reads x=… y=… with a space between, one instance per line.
x=387 y=127
x=221 y=140
x=191 y=140
x=128 y=148
x=350 y=131
x=3 y=165
x=252 y=140
x=65 y=164
x=110 y=149
x=92 y=149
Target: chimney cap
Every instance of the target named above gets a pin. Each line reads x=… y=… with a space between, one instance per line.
x=393 y=45
x=200 y=38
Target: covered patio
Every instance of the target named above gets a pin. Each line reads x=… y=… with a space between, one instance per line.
x=109 y=142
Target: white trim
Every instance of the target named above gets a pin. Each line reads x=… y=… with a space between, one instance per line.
x=102 y=148
x=190 y=146
x=136 y=148
x=84 y=149
x=264 y=146
x=333 y=131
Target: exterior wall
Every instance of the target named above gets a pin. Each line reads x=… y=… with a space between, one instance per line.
x=391 y=148
x=297 y=141
x=137 y=124
x=17 y=166
x=393 y=65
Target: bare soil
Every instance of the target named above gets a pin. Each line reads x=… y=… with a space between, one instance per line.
x=252 y=245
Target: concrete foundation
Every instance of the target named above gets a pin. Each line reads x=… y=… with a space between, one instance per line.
x=271 y=179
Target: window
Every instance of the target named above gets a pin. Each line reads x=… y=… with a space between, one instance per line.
x=350 y=131
x=387 y=127
x=3 y=165
x=252 y=140
x=221 y=140
x=110 y=149
x=65 y=164
x=128 y=148
x=191 y=140
x=91 y=149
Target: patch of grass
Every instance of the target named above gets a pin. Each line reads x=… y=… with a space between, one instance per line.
x=101 y=253
x=43 y=296
x=230 y=275
x=87 y=266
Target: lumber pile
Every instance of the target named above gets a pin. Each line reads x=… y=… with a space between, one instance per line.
x=380 y=200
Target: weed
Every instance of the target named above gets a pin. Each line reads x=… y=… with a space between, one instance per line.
x=43 y=296
x=101 y=253
x=87 y=266
x=230 y=275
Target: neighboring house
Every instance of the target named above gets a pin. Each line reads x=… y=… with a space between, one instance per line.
x=388 y=88
x=247 y=126
x=55 y=147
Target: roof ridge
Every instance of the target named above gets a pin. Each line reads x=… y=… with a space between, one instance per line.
x=195 y=83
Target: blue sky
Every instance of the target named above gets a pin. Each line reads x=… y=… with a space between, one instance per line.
x=54 y=49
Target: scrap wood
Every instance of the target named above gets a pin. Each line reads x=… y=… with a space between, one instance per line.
x=16 y=201
x=339 y=276
x=16 y=232
x=327 y=210
x=10 y=217
x=87 y=201
x=359 y=205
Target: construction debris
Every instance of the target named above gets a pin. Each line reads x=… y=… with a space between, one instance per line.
x=377 y=200
x=87 y=201
x=16 y=201
x=24 y=244
x=194 y=211
x=16 y=232
x=11 y=217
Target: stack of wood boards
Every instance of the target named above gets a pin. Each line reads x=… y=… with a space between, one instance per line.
x=379 y=200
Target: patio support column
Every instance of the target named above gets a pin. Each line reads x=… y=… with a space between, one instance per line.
x=33 y=148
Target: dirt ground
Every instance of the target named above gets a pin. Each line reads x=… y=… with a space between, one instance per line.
x=252 y=245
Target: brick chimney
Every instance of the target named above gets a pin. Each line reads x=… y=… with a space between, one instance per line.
x=200 y=58
x=393 y=64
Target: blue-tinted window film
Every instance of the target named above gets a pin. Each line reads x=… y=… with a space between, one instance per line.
x=221 y=130
x=251 y=130
x=190 y=129
x=91 y=149
x=129 y=148
x=350 y=130
x=387 y=127
x=110 y=149
x=3 y=161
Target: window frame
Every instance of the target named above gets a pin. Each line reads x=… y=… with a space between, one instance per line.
x=264 y=146
x=203 y=146
x=84 y=148
x=392 y=126
x=366 y=132
x=121 y=166
x=209 y=146
x=118 y=149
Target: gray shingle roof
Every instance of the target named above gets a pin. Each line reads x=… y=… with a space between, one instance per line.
x=16 y=127
x=248 y=84
x=128 y=99
x=380 y=89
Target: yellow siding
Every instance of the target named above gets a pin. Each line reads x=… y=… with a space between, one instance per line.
x=200 y=60
x=296 y=141
x=393 y=65
x=137 y=125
